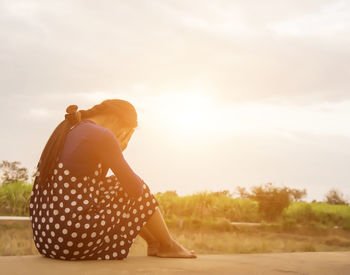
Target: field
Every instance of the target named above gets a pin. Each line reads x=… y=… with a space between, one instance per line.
x=203 y=222
x=16 y=239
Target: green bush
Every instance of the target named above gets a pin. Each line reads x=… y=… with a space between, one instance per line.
x=301 y=212
x=14 y=199
x=319 y=215
x=206 y=205
x=272 y=200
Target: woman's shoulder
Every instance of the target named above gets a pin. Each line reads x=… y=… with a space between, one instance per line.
x=88 y=126
x=90 y=129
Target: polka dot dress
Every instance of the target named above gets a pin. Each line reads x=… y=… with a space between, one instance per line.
x=87 y=218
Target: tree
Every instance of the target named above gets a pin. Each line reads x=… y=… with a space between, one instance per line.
x=11 y=172
x=242 y=192
x=334 y=196
x=297 y=195
x=225 y=193
x=204 y=202
x=272 y=200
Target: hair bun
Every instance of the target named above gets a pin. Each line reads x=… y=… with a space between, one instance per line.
x=71 y=109
x=72 y=115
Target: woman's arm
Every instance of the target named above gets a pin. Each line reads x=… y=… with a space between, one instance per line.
x=112 y=156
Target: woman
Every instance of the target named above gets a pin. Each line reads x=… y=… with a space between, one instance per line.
x=80 y=214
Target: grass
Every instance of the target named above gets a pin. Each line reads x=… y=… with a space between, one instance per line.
x=16 y=239
x=14 y=199
x=318 y=215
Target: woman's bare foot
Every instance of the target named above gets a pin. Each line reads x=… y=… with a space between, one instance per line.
x=174 y=250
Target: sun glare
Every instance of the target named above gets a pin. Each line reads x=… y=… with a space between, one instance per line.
x=186 y=114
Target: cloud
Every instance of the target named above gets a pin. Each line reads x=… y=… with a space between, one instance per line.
x=277 y=70
x=39 y=113
x=239 y=50
x=330 y=21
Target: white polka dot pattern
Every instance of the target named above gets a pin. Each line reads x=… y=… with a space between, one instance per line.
x=87 y=218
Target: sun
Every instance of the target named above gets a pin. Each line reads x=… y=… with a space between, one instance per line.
x=185 y=113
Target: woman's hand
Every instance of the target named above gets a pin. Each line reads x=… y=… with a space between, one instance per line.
x=124 y=138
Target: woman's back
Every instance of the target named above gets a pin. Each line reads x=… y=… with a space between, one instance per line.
x=84 y=147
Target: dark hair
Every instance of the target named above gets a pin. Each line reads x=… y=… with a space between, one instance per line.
x=122 y=110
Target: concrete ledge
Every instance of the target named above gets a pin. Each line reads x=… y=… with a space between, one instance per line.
x=14 y=218
x=293 y=263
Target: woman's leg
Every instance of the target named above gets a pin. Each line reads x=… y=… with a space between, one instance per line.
x=168 y=247
x=147 y=236
x=152 y=242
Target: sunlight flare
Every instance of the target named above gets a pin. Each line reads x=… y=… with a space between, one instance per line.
x=187 y=114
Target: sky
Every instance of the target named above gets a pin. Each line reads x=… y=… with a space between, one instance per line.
x=228 y=93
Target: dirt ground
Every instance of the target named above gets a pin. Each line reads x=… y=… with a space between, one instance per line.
x=282 y=263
